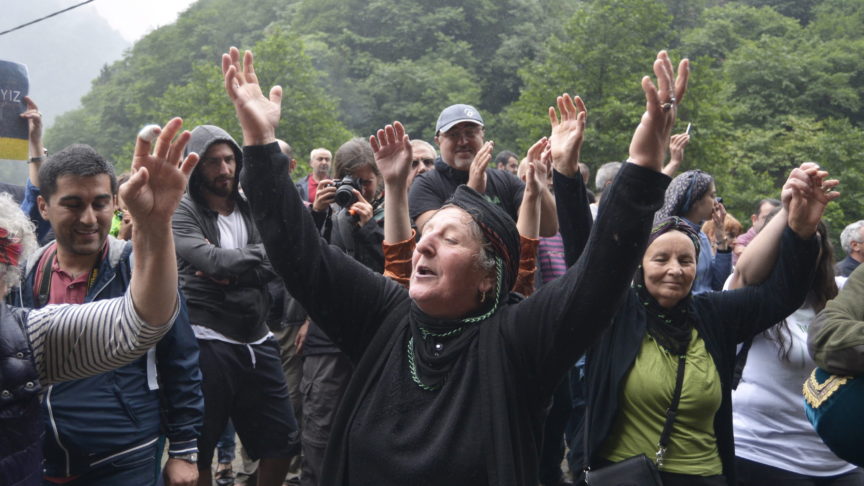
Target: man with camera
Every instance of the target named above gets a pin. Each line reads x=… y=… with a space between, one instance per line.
x=223 y=271
x=350 y=214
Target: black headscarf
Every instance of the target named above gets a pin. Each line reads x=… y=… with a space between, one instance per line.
x=436 y=344
x=498 y=228
x=671 y=328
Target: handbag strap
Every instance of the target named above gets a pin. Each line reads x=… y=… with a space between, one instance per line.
x=671 y=413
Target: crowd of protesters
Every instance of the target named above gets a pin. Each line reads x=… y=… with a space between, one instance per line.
x=407 y=315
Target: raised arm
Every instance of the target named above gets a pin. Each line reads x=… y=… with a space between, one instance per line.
x=152 y=194
x=309 y=266
x=750 y=310
x=393 y=152
x=532 y=171
x=574 y=215
x=676 y=153
x=760 y=255
x=575 y=309
x=34 y=139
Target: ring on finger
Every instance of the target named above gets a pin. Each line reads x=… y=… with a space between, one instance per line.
x=667 y=106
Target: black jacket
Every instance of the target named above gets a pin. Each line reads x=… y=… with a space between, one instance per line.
x=722 y=319
x=238 y=310
x=524 y=349
x=363 y=243
x=20 y=419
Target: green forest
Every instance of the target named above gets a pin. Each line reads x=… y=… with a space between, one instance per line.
x=773 y=83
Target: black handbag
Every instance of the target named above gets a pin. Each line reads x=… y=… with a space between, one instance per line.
x=637 y=470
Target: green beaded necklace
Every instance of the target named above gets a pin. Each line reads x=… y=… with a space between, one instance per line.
x=412 y=363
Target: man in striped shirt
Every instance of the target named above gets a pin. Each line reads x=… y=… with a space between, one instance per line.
x=67 y=342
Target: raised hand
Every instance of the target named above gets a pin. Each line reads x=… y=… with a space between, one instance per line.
x=567 y=133
x=534 y=156
x=477 y=171
x=159 y=178
x=258 y=114
x=648 y=146
x=718 y=216
x=808 y=191
x=393 y=154
x=676 y=153
x=34 y=126
x=798 y=180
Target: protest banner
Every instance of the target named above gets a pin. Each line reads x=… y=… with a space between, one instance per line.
x=14 y=85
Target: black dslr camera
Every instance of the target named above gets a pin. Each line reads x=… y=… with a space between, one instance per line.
x=345 y=186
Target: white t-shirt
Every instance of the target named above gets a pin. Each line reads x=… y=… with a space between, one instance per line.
x=232 y=231
x=232 y=235
x=768 y=408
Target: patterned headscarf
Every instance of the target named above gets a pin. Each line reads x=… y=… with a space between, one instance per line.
x=674 y=223
x=10 y=248
x=682 y=192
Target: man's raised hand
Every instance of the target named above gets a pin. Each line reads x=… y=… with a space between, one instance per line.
x=567 y=133
x=477 y=171
x=258 y=114
x=159 y=177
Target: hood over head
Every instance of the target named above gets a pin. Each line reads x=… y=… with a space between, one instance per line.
x=203 y=137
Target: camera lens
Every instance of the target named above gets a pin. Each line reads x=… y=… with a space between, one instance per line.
x=345 y=196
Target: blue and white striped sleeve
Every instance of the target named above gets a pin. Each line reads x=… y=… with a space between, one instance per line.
x=75 y=341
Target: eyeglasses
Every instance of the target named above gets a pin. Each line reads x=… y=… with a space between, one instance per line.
x=426 y=162
x=467 y=133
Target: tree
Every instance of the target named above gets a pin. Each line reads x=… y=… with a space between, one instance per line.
x=414 y=92
x=309 y=117
x=603 y=53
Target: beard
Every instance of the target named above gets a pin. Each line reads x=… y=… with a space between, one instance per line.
x=215 y=186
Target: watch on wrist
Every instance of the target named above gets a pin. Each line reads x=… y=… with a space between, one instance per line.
x=191 y=458
x=36 y=159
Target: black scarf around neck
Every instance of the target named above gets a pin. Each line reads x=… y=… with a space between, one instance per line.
x=435 y=345
x=671 y=328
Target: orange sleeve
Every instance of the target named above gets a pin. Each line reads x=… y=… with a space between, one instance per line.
x=527 y=265
x=397 y=259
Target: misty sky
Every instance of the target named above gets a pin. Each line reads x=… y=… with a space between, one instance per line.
x=134 y=18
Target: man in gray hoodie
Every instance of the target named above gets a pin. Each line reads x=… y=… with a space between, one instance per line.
x=223 y=274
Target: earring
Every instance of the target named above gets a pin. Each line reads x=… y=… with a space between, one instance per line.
x=482 y=297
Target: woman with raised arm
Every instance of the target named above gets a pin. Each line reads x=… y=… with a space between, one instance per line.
x=66 y=342
x=774 y=441
x=452 y=376
x=658 y=382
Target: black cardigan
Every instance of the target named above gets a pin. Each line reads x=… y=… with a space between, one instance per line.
x=524 y=349
x=722 y=319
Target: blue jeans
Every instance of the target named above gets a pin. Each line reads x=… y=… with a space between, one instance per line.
x=140 y=467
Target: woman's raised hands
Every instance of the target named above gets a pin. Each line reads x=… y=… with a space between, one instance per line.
x=258 y=114
x=648 y=147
